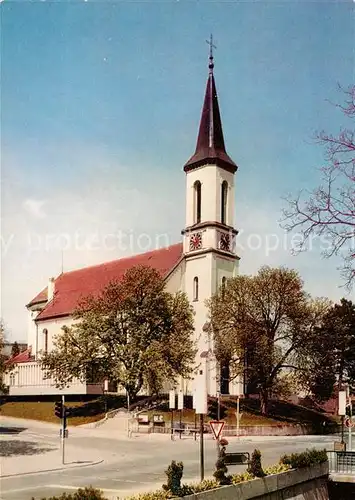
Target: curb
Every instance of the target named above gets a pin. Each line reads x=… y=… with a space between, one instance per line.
x=77 y=466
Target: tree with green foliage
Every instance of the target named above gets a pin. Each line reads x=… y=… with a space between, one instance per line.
x=332 y=351
x=261 y=325
x=134 y=333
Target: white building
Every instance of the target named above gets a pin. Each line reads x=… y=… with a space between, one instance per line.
x=197 y=266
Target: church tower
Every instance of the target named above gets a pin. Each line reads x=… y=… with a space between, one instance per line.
x=209 y=235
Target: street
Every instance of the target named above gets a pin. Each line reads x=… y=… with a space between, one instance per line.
x=128 y=465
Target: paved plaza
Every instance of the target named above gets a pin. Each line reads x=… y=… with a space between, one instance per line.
x=111 y=461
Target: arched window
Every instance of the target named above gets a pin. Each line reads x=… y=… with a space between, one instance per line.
x=195 y=291
x=45 y=340
x=224 y=196
x=197 y=202
x=224 y=280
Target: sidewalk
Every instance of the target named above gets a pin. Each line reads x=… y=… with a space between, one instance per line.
x=48 y=461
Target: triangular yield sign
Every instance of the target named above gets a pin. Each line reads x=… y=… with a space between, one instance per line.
x=217 y=426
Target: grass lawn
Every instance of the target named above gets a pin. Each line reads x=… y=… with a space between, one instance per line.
x=188 y=416
x=44 y=410
x=280 y=412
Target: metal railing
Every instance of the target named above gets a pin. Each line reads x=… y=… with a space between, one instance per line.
x=342 y=462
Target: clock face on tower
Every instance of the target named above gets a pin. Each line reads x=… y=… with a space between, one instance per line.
x=225 y=242
x=196 y=241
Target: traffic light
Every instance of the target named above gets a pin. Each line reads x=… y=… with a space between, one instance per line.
x=68 y=411
x=213 y=412
x=58 y=409
x=348 y=410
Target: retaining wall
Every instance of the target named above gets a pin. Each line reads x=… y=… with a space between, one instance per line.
x=302 y=484
x=247 y=430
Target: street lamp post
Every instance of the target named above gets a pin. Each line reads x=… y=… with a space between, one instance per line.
x=201 y=408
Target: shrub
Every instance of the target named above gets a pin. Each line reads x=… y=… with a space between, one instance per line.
x=277 y=469
x=240 y=478
x=221 y=468
x=255 y=467
x=88 y=493
x=174 y=473
x=205 y=485
x=305 y=459
x=155 y=495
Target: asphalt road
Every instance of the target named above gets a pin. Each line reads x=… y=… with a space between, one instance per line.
x=136 y=465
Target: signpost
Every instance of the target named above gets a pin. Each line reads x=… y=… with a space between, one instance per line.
x=201 y=407
x=349 y=424
x=342 y=411
x=236 y=458
x=172 y=408
x=217 y=427
x=238 y=416
x=180 y=408
x=61 y=412
x=63 y=433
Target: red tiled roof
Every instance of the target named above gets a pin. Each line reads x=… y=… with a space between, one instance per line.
x=41 y=297
x=70 y=287
x=23 y=357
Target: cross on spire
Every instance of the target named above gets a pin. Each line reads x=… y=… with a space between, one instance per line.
x=212 y=46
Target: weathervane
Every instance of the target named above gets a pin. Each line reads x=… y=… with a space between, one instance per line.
x=212 y=46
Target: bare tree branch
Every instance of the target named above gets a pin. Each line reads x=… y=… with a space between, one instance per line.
x=328 y=211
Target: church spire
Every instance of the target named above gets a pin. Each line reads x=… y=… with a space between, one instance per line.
x=210 y=148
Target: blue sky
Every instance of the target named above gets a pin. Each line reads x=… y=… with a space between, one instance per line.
x=100 y=109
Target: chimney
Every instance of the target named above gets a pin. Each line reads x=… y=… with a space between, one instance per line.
x=50 y=289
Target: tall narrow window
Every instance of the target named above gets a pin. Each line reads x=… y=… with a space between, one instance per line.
x=195 y=291
x=45 y=340
x=197 y=201
x=224 y=195
x=224 y=279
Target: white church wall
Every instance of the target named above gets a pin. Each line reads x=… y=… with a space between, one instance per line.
x=32 y=331
x=207 y=176
x=223 y=268
x=223 y=175
x=200 y=267
x=54 y=328
x=175 y=281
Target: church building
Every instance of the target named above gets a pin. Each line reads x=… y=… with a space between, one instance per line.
x=198 y=265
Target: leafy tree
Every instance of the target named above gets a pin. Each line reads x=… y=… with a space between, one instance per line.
x=332 y=351
x=15 y=350
x=261 y=325
x=134 y=333
x=329 y=210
